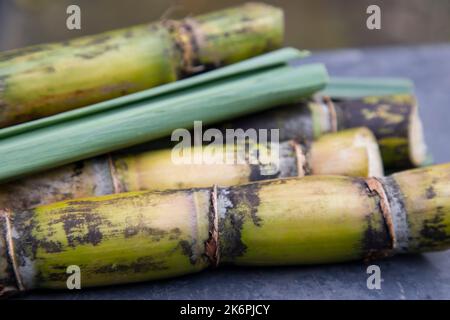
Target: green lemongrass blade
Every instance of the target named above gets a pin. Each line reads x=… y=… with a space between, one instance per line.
x=142 y=121
x=266 y=61
x=343 y=87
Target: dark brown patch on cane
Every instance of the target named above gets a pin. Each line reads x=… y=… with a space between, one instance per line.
x=355 y=112
x=26 y=244
x=128 y=34
x=142 y=264
x=9 y=55
x=50 y=246
x=77 y=169
x=97 y=40
x=430 y=193
x=97 y=52
x=154 y=233
x=244 y=205
x=230 y=231
x=433 y=232
x=188 y=249
x=82 y=227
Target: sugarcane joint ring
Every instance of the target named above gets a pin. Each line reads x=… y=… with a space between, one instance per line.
x=9 y=246
x=301 y=158
x=376 y=186
x=332 y=111
x=212 y=244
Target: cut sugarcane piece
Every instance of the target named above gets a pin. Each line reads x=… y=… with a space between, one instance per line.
x=352 y=152
x=395 y=122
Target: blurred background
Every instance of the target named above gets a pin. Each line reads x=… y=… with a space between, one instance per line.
x=311 y=24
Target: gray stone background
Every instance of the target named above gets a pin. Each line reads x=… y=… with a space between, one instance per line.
x=312 y=24
x=412 y=43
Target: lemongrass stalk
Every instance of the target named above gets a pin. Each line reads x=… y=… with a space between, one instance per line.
x=142 y=236
x=141 y=121
x=348 y=87
x=394 y=120
x=351 y=152
x=43 y=80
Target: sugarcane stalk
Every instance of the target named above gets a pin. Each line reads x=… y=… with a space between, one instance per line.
x=351 y=152
x=395 y=122
x=142 y=236
x=43 y=80
x=393 y=119
x=146 y=120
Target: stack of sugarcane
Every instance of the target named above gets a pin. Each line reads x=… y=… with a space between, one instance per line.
x=82 y=183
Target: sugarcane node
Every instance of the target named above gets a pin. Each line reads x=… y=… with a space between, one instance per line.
x=117 y=186
x=212 y=244
x=301 y=158
x=185 y=41
x=375 y=186
x=332 y=110
x=5 y=213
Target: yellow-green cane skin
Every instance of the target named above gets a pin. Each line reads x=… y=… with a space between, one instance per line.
x=113 y=239
x=300 y=221
x=238 y=33
x=153 y=235
x=424 y=197
x=143 y=236
x=84 y=71
x=43 y=80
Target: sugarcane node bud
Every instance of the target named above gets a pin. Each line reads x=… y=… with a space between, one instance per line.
x=212 y=244
x=376 y=187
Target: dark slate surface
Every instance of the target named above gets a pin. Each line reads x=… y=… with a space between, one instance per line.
x=424 y=276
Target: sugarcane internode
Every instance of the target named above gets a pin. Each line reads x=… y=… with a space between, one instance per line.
x=141 y=236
